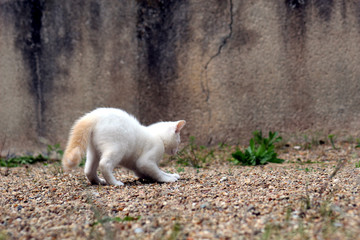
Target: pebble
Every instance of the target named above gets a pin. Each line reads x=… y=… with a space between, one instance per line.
x=223 y=179
x=138 y=230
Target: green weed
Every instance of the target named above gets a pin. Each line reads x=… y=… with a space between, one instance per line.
x=23 y=160
x=313 y=141
x=193 y=155
x=54 y=150
x=331 y=138
x=115 y=219
x=261 y=151
x=4 y=235
x=29 y=159
x=176 y=229
x=357 y=143
x=357 y=165
x=101 y=219
x=312 y=213
x=82 y=163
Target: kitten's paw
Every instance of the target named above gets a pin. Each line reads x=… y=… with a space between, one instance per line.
x=102 y=181
x=177 y=176
x=118 y=183
x=168 y=178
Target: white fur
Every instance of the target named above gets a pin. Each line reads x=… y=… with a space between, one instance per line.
x=117 y=138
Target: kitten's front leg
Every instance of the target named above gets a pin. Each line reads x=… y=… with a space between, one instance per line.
x=147 y=168
x=177 y=176
x=153 y=172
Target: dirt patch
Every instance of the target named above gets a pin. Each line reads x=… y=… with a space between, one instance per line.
x=294 y=200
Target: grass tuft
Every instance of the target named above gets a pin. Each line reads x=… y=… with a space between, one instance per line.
x=53 y=153
x=260 y=152
x=193 y=155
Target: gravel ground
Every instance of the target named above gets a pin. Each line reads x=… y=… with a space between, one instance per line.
x=298 y=199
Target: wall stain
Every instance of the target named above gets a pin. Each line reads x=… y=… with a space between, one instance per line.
x=294 y=36
x=343 y=9
x=95 y=26
x=95 y=17
x=28 y=23
x=243 y=38
x=43 y=36
x=324 y=8
x=356 y=6
x=162 y=27
x=295 y=4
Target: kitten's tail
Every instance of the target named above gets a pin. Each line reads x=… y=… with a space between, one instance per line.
x=78 y=141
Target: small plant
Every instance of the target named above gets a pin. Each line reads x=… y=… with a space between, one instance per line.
x=82 y=163
x=357 y=165
x=4 y=235
x=115 y=219
x=29 y=159
x=55 y=150
x=261 y=151
x=357 y=143
x=23 y=160
x=175 y=231
x=193 y=155
x=331 y=138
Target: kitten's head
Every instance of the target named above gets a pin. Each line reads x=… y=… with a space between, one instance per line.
x=173 y=145
x=170 y=134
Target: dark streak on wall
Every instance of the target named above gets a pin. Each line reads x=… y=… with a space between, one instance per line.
x=324 y=8
x=343 y=9
x=357 y=11
x=95 y=23
x=59 y=34
x=44 y=33
x=28 y=22
x=159 y=36
x=294 y=34
x=295 y=4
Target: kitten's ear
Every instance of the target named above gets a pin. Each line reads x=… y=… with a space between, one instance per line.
x=179 y=125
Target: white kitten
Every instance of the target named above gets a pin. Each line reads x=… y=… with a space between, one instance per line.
x=112 y=137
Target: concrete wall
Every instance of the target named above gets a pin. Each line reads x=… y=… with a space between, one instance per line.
x=228 y=67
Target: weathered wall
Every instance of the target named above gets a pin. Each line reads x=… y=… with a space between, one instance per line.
x=227 y=67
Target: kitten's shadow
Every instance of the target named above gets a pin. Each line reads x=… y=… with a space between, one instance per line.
x=140 y=181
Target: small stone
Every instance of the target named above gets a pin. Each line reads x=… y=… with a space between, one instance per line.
x=138 y=230
x=223 y=179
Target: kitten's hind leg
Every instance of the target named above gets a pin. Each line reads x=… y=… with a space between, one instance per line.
x=91 y=165
x=107 y=164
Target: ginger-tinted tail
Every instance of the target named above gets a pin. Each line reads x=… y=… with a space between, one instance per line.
x=78 y=141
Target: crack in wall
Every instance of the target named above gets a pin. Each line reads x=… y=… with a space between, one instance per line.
x=205 y=86
x=223 y=43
